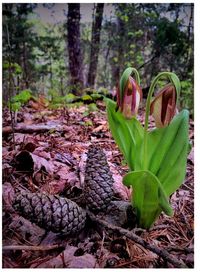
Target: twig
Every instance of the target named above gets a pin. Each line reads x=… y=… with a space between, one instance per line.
x=34 y=248
x=185 y=249
x=161 y=252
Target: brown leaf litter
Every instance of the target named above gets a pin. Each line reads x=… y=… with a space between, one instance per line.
x=53 y=161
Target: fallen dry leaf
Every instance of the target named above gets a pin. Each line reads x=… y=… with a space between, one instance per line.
x=41 y=153
x=68 y=259
x=26 y=161
x=19 y=138
x=29 y=231
x=8 y=194
x=120 y=189
x=191 y=155
x=54 y=187
x=100 y=128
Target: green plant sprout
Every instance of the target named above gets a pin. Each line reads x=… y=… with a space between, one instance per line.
x=157 y=158
x=20 y=99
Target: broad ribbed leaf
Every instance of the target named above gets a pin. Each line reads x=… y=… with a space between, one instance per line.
x=167 y=152
x=128 y=133
x=148 y=197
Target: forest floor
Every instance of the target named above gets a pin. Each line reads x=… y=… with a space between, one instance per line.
x=56 y=142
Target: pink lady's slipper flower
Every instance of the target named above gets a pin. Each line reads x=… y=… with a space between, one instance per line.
x=163 y=107
x=129 y=101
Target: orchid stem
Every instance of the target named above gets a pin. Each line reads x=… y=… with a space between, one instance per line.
x=151 y=91
x=137 y=77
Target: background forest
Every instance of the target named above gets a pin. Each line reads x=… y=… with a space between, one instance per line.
x=89 y=45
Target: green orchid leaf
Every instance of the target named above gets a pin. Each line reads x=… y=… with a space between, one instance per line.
x=167 y=152
x=128 y=134
x=148 y=197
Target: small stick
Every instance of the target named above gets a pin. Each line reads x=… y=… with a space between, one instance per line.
x=34 y=248
x=161 y=252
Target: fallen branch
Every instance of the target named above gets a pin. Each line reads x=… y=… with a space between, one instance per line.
x=32 y=128
x=161 y=252
x=34 y=248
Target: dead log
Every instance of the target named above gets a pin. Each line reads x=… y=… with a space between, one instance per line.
x=39 y=128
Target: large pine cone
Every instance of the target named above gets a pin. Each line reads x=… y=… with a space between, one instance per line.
x=98 y=191
x=53 y=213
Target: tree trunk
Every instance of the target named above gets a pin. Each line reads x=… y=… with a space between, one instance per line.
x=25 y=70
x=74 y=46
x=95 y=43
x=51 y=74
x=118 y=66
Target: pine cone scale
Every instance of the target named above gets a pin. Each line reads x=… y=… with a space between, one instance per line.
x=98 y=189
x=53 y=213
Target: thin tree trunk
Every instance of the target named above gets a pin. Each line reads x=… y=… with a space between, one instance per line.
x=117 y=66
x=61 y=86
x=95 y=44
x=74 y=46
x=105 y=79
x=51 y=74
x=189 y=56
x=25 y=72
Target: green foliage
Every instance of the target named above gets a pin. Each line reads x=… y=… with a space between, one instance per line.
x=187 y=97
x=90 y=108
x=167 y=152
x=23 y=97
x=15 y=106
x=103 y=91
x=166 y=157
x=168 y=35
x=149 y=197
x=75 y=105
x=20 y=99
x=86 y=97
x=14 y=67
x=127 y=133
x=96 y=96
x=145 y=35
x=22 y=40
x=69 y=98
x=88 y=123
x=157 y=159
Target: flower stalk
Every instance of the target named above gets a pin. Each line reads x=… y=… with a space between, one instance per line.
x=175 y=81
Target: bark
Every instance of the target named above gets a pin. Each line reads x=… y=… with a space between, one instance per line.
x=95 y=44
x=189 y=55
x=25 y=70
x=116 y=67
x=74 y=46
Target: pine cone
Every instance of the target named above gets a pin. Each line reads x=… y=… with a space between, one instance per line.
x=98 y=189
x=53 y=213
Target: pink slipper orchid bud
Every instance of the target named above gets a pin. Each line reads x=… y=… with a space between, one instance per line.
x=163 y=107
x=128 y=104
